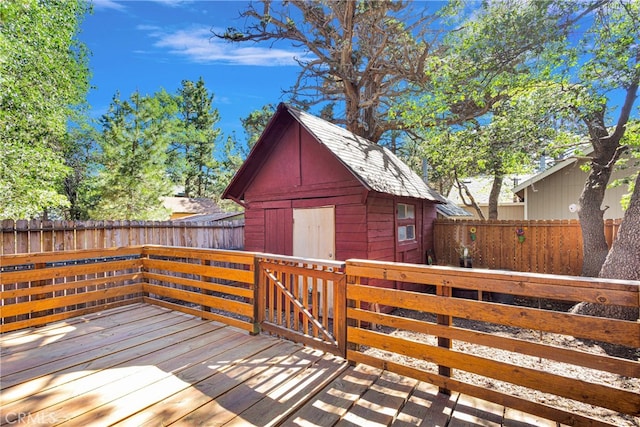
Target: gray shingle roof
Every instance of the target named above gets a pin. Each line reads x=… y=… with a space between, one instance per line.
x=375 y=166
x=451 y=210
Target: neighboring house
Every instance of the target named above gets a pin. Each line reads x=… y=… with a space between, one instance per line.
x=554 y=193
x=196 y=209
x=313 y=189
x=510 y=205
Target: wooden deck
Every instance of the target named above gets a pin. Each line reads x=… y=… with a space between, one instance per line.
x=145 y=365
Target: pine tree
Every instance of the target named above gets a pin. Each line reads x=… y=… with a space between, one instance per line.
x=134 y=141
x=194 y=145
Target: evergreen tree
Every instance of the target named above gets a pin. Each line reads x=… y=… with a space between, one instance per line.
x=255 y=123
x=133 y=177
x=193 y=147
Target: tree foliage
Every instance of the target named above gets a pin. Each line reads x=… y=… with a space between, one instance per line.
x=520 y=129
x=44 y=79
x=589 y=49
x=79 y=152
x=134 y=141
x=491 y=105
x=255 y=123
x=193 y=145
x=360 y=53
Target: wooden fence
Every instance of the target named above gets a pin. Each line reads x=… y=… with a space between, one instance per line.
x=552 y=247
x=25 y=236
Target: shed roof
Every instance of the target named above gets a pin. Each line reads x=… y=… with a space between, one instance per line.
x=376 y=167
x=451 y=210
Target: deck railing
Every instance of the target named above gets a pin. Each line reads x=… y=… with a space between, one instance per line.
x=51 y=286
x=494 y=335
x=213 y=284
x=504 y=329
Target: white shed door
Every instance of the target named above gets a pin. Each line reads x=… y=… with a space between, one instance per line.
x=314 y=237
x=314 y=233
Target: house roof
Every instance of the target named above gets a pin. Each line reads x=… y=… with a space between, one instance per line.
x=209 y=217
x=480 y=187
x=190 y=205
x=377 y=168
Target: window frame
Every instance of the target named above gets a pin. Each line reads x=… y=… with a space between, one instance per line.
x=405 y=217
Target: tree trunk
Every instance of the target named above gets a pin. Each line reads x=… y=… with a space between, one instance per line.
x=591 y=215
x=494 y=195
x=606 y=150
x=621 y=263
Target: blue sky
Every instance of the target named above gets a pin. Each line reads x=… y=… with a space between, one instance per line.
x=149 y=45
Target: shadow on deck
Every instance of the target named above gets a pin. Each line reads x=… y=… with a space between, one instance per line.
x=146 y=365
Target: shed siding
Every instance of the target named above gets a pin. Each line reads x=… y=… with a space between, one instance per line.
x=381 y=228
x=351 y=235
x=299 y=172
x=296 y=167
x=254 y=230
x=279 y=231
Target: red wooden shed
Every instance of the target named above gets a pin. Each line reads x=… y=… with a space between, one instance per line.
x=313 y=189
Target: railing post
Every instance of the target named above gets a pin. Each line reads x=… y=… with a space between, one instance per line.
x=340 y=314
x=204 y=308
x=144 y=255
x=356 y=280
x=258 y=298
x=444 y=290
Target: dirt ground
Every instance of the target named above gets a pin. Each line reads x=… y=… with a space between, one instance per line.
x=547 y=365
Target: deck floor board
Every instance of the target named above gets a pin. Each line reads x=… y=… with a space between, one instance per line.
x=147 y=365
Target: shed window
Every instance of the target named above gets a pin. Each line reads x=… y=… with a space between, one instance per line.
x=406 y=222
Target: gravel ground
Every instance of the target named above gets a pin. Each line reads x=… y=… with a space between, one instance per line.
x=590 y=375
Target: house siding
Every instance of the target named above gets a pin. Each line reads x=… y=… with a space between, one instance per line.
x=550 y=197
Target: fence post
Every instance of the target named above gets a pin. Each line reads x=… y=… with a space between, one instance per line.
x=203 y=278
x=444 y=290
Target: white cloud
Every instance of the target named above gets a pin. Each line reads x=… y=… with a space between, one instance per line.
x=107 y=4
x=172 y=3
x=119 y=5
x=199 y=45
